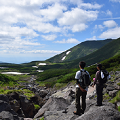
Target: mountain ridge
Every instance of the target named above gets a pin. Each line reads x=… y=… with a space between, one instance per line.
x=83 y=49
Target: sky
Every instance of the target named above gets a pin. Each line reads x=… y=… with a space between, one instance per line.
x=35 y=30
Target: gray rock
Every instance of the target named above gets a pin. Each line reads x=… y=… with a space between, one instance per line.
x=53 y=104
x=4 y=98
x=110 y=88
x=118 y=103
x=113 y=93
x=7 y=115
x=101 y=113
x=4 y=106
x=66 y=114
x=43 y=93
x=27 y=106
x=15 y=105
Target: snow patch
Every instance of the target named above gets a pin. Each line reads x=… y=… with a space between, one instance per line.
x=34 y=66
x=68 y=52
x=64 y=58
x=40 y=70
x=42 y=64
x=15 y=73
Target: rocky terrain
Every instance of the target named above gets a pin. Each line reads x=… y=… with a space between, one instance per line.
x=59 y=105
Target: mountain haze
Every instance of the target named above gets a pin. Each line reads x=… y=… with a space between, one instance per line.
x=80 y=50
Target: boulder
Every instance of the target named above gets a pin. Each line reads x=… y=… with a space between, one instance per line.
x=100 y=113
x=7 y=115
x=113 y=93
x=43 y=93
x=4 y=106
x=27 y=107
x=53 y=104
x=37 y=100
x=107 y=111
x=4 y=98
x=13 y=96
x=15 y=105
x=110 y=88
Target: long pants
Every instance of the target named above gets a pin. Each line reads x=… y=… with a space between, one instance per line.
x=80 y=108
x=99 y=90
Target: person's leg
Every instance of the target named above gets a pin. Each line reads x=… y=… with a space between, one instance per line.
x=77 y=100
x=99 y=90
x=83 y=101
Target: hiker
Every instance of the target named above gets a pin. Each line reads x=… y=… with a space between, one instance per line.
x=99 y=84
x=81 y=91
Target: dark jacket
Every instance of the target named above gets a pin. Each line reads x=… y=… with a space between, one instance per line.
x=97 y=78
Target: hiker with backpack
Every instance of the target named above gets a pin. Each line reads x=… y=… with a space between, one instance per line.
x=101 y=78
x=83 y=81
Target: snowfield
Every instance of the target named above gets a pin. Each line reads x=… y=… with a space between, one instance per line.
x=15 y=73
x=42 y=64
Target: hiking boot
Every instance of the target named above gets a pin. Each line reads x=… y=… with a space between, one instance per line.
x=77 y=113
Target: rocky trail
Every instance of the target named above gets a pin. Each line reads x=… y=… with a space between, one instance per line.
x=59 y=105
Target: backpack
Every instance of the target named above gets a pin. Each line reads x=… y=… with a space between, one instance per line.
x=85 y=79
x=104 y=76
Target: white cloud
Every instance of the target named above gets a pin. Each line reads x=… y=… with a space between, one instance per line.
x=111 y=33
x=22 y=22
x=49 y=37
x=93 y=38
x=77 y=18
x=78 y=27
x=90 y=6
x=81 y=4
x=109 y=13
x=110 y=23
x=101 y=27
x=76 y=1
x=53 y=12
x=115 y=1
x=71 y=40
x=43 y=51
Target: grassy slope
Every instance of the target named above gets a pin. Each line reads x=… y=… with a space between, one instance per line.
x=103 y=53
x=80 y=50
x=109 y=50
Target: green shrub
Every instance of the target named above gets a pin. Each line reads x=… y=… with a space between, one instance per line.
x=116 y=98
x=66 y=78
x=36 y=106
x=60 y=85
x=42 y=118
x=119 y=108
x=47 y=74
x=118 y=84
x=106 y=97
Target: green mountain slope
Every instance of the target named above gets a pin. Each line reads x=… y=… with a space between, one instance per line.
x=109 y=50
x=80 y=50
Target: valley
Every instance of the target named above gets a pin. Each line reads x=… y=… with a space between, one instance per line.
x=42 y=79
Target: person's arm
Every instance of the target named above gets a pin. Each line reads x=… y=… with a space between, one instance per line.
x=83 y=90
x=96 y=78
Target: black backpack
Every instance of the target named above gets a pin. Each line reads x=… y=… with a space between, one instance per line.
x=106 y=74
x=85 y=79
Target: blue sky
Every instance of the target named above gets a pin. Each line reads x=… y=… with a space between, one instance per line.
x=33 y=30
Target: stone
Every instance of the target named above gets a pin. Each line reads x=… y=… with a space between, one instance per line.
x=15 y=105
x=101 y=113
x=4 y=98
x=27 y=107
x=113 y=93
x=53 y=104
x=4 y=106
